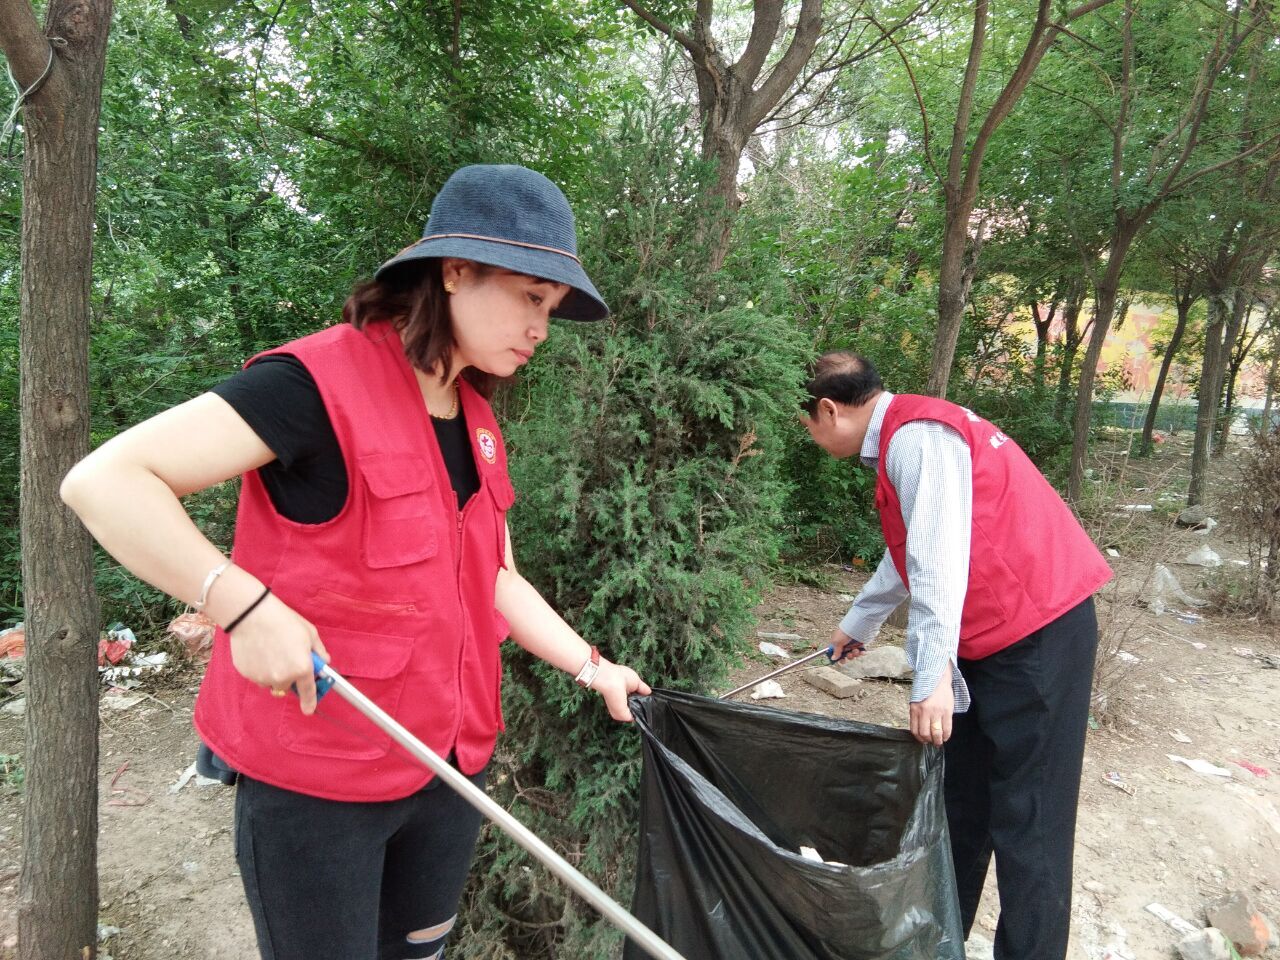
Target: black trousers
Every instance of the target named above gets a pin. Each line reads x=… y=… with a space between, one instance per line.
x=328 y=880
x=1013 y=781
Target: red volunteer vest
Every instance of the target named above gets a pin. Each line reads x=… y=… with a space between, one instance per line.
x=400 y=586
x=1029 y=559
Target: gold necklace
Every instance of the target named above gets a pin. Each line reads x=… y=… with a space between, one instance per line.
x=453 y=407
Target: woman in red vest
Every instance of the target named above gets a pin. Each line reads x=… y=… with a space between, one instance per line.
x=371 y=530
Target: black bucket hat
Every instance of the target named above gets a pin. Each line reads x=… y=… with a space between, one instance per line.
x=512 y=217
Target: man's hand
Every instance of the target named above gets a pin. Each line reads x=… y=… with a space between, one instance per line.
x=931 y=717
x=844 y=647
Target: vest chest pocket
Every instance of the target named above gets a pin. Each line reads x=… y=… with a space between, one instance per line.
x=403 y=514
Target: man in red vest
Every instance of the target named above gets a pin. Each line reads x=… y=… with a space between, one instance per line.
x=1001 y=633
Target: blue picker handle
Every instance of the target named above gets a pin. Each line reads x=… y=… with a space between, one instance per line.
x=324 y=681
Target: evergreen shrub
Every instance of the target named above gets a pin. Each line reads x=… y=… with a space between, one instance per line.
x=646 y=454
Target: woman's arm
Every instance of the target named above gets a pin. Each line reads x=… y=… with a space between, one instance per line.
x=127 y=493
x=543 y=632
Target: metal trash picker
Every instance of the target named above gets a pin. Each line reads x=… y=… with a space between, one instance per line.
x=327 y=678
x=829 y=653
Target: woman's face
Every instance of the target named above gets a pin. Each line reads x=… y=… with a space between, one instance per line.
x=499 y=317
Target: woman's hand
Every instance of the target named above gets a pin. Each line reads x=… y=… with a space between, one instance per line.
x=615 y=683
x=272 y=647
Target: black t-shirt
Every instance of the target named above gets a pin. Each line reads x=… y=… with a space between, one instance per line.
x=307 y=482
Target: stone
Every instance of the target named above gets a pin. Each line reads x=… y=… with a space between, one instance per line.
x=1206 y=944
x=1237 y=917
x=1192 y=517
x=832 y=681
x=879 y=662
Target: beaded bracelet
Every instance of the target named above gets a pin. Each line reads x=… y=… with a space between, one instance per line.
x=248 y=610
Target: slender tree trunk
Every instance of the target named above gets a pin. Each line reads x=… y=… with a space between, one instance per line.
x=1042 y=323
x=1070 y=345
x=1273 y=372
x=1234 y=353
x=58 y=887
x=1207 y=402
x=1103 y=309
x=1175 y=341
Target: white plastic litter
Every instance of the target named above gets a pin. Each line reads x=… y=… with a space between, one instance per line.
x=1171 y=918
x=773 y=650
x=1137 y=508
x=769 y=690
x=190 y=774
x=1201 y=766
x=1203 y=556
x=1127 y=657
x=1164 y=589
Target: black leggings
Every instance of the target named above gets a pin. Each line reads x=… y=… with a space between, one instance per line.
x=330 y=880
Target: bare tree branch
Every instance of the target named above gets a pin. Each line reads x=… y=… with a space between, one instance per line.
x=775 y=85
x=764 y=31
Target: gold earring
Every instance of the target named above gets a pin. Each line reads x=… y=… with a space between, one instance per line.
x=450 y=286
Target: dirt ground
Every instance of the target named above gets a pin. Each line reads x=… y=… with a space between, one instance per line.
x=1200 y=686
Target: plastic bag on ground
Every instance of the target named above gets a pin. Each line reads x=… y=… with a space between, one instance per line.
x=729 y=795
x=1163 y=589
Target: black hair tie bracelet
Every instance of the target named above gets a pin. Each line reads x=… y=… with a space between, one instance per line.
x=247 y=610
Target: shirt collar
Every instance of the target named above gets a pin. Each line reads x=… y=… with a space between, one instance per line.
x=870 y=453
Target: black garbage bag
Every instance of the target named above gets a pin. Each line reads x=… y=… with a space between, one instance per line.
x=729 y=795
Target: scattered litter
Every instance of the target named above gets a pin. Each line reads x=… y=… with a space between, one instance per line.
x=13 y=642
x=1253 y=768
x=1136 y=508
x=195 y=631
x=1093 y=724
x=105 y=932
x=1246 y=652
x=1127 y=657
x=1209 y=524
x=113 y=647
x=190 y=774
x=1164 y=588
x=1112 y=552
x=1188 y=618
x=1203 y=556
x=1171 y=918
x=769 y=690
x=125 y=796
x=135 y=666
x=846 y=597
x=1179 y=736
x=1200 y=766
x=773 y=650
x=1195 y=643
x=1117 y=781
x=766 y=635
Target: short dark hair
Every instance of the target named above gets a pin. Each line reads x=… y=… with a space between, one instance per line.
x=842 y=376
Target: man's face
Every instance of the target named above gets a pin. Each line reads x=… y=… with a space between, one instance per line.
x=834 y=428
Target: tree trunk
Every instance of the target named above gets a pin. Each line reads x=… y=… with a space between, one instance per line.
x=58 y=887
x=1175 y=341
x=953 y=294
x=1211 y=370
x=1273 y=372
x=1104 y=306
x=1070 y=344
x=1234 y=353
